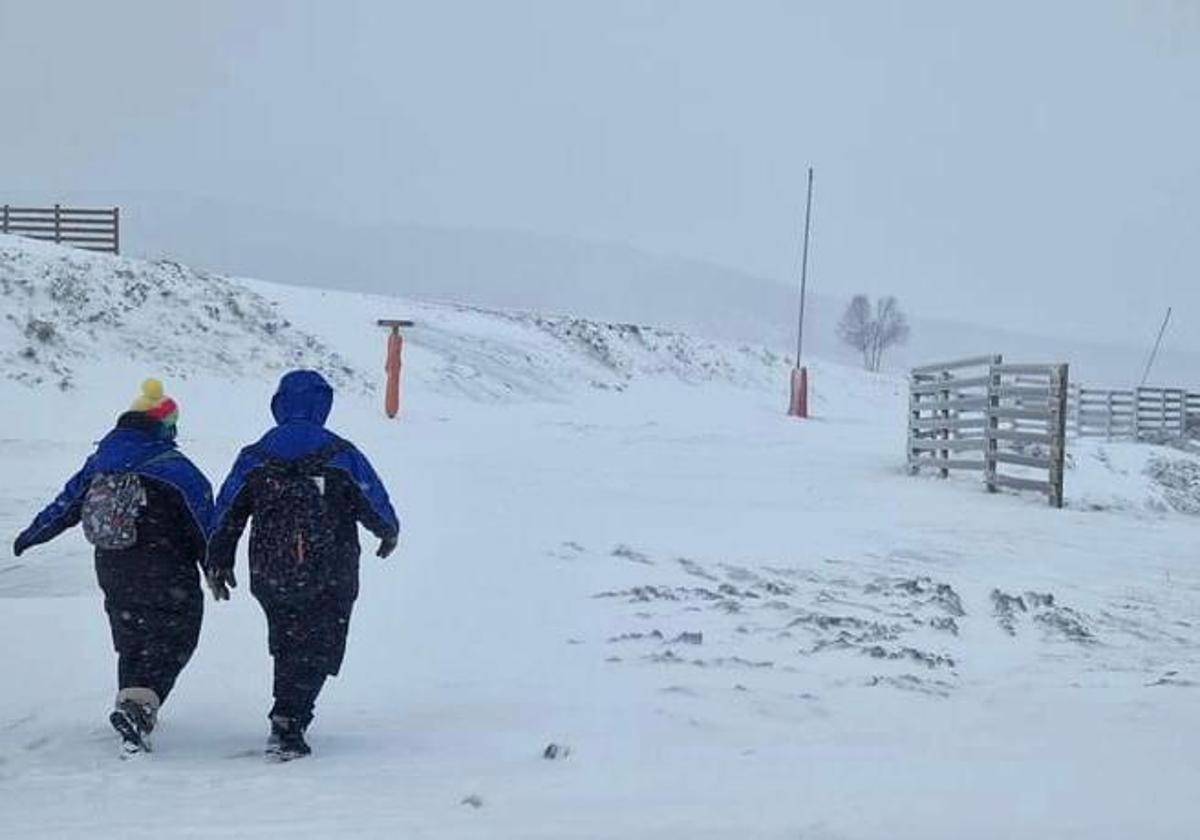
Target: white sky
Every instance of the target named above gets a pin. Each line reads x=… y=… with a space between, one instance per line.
x=1018 y=163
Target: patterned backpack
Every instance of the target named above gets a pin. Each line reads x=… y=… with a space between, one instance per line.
x=111 y=508
x=294 y=529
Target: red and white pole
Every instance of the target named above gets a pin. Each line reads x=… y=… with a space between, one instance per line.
x=798 y=405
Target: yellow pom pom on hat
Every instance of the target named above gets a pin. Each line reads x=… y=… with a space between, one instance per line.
x=155 y=404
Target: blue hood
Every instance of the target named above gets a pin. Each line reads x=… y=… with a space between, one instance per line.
x=301 y=406
x=302 y=395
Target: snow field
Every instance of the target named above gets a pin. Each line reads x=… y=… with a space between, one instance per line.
x=742 y=626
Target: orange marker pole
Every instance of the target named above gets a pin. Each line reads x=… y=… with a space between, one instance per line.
x=395 y=350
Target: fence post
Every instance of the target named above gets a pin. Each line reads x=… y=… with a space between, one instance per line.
x=1058 y=432
x=1073 y=408
x=991 y=445
x=116 y=230
x=945 y=432
x=1137 y=414
x=57 y=223
x=914 y=412
x=1108 y=414
x=5 y=228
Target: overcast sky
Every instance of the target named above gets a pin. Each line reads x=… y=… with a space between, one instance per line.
x=1018 y=163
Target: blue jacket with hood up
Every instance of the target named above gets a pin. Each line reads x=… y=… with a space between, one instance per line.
x=301 y=406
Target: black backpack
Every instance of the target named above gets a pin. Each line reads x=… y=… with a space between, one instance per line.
x=295 y=553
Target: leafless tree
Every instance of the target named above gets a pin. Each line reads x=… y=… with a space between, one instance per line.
x=872 y=330
x=855 y=327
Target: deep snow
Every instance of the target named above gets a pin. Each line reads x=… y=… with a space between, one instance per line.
x=740 y=625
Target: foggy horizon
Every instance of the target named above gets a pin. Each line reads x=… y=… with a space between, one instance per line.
x=1028 y=168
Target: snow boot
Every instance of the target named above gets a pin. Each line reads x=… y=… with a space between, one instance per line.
x=133 y=718
x=286 y=741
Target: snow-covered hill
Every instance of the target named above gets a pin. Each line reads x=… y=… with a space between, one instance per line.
x=63 y=309
x=739 y=625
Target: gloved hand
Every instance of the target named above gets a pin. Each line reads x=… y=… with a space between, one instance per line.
x=386 y=546
x=20 y=544
x=220 y=581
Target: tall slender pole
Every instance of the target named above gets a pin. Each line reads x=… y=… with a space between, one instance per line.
x=1154 y=352
x=804 y=268
x=798 y=407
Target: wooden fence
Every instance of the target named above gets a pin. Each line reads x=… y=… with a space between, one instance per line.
x=91 y=229
x=1141 y=414
x=982 y=415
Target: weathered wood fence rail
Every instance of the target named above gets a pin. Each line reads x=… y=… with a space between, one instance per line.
x=1150 y=414
x=91 y=229
x=982 y=415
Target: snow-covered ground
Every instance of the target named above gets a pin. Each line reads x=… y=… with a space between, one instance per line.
x=739 y=625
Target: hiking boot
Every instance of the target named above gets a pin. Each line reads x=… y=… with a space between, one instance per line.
x=286 y=741
x=134 y=722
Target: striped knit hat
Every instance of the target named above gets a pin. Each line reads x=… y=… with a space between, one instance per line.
x=155 y=404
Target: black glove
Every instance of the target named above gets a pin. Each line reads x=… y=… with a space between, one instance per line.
x=20 y=544
x=386 y=546
x=220 y=581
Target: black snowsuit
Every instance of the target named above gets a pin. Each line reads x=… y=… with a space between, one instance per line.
x=152 y=593
x=307 y=625
x=151 y=590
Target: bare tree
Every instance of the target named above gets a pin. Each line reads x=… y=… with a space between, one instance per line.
x=871 y=333
x=855 y=328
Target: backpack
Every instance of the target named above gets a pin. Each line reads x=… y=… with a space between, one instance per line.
x=110 y=511
x=296 y=548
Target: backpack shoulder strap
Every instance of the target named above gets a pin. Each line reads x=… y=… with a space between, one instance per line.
x=312 y=461
x=321 y=457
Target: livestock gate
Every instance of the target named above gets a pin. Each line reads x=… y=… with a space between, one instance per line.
x=90 y=229
x=1005 y=421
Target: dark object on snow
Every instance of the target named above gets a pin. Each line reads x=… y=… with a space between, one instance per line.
x=134 y=722
x=555 y=751
x=152 y=584
x=306 y=491
x=474 y=800
x=220 y=581
x=286 y=741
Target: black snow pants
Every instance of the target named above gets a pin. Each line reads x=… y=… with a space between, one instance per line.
x=152 y=593
x=307 y=641
x=155 y=626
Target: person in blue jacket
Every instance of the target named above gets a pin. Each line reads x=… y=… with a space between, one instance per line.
x=146 y=509
x=306 y=490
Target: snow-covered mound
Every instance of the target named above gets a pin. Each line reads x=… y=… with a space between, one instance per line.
x=1133 y=477
x=62 y=308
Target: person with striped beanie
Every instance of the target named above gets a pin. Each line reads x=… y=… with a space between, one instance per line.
x=157 y=406
x=147 y=510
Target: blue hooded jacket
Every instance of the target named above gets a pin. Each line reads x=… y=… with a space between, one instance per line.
x=301 y=406
x=128 y=448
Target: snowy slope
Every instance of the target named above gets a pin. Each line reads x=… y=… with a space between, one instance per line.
x=61 y=308
x=740 y=625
